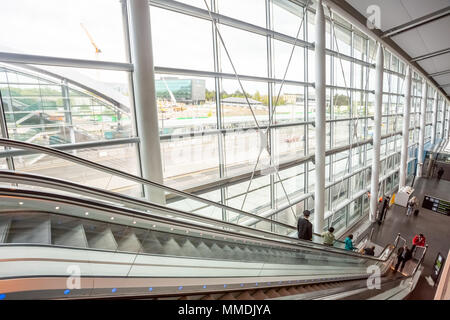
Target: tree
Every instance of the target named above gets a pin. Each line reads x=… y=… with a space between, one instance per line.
x=210 y=95
x=341 y=100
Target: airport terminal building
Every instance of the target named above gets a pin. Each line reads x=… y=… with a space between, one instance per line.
x=172 y=149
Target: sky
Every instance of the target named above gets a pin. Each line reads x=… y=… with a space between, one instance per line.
x=52 y=28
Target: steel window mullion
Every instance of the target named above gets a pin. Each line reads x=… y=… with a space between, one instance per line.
x=21 y=58
x=198 y=73
x=225 y=20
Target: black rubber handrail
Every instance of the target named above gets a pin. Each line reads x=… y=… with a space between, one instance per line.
x=44 y=196
x=69 y=157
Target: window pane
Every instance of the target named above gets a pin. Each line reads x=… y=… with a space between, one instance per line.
x=46 y=28
x=248 y=52
x=251 y=11
x=181 y=41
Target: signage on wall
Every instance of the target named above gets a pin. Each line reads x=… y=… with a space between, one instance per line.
x=436 y=205
x=437 y=266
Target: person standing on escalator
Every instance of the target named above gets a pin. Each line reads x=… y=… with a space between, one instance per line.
x=440 y=173
x=403 y=255
x=328 y=237
x=349 y=243
x=304 y=227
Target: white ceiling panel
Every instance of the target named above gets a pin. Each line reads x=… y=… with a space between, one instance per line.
x=425 y=39
x=443 y=79
x=436 y=34
x=420 y=8
x=412 y=43
x=392 y=11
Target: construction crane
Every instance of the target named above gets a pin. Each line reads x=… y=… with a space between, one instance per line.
x=97 y=49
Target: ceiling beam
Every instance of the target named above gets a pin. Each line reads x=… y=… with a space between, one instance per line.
x=431 y=55
x=439 y=73
x=358 y=17
x=417 y=22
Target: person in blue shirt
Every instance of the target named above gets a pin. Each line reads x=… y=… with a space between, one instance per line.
x=349 y=243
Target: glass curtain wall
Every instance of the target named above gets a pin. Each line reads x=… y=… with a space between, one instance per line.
x=248 y=139
x=54 y=105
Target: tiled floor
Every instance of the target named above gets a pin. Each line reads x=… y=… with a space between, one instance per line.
x=434 y=226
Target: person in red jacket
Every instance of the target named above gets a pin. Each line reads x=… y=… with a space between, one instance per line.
x=418 y=240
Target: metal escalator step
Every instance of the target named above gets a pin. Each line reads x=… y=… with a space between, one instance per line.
x=272 y=293
x=204 y=251
x=228 y=296
x=129 y=242
x=189 y=250
x=212 y=296
x=245 y=296
x=292 y=290
x=228 y=253
x=284 y=292
x=217 y=251
x=259 y=295
x=239 y=254
x=171 y=247
x=29 y=227
x=302 y=289
x=5 y=223
x=193 y=297
x=151 y=244
x=72 y=236
x=101 y=239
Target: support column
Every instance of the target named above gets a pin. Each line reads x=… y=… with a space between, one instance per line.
x=145 y=96
x=405 y=133
x=376 y=134
x=435 y=114
x=320 y=125
x=423 y=108
x=448 y=120
x=444 y=112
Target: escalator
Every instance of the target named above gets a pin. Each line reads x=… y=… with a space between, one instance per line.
x=62 y=240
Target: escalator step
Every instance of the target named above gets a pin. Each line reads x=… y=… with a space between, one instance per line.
x=245 y=296
x=292 y=290
x=302 y=289
x=188 y=250
x=259 y=295
x=283 y=292
x=204 y=250
x=272 y=293
x=228 y=296
x=4 y=227
x=213 y=296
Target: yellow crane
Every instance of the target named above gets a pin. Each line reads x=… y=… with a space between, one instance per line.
x=97 y=49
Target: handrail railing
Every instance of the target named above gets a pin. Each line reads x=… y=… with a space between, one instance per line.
x=419 y=263
x=69 y=157
x=37 y=195
x=112 y=171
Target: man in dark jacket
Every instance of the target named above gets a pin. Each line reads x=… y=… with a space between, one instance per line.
x=403 y=255
x=384 y=209
x=369 y=251
x=304 y=227
x=440 y=173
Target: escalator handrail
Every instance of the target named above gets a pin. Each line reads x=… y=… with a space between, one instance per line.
x=23 y=193
x=419 y=263
x=112 y=171
x=45 y=181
